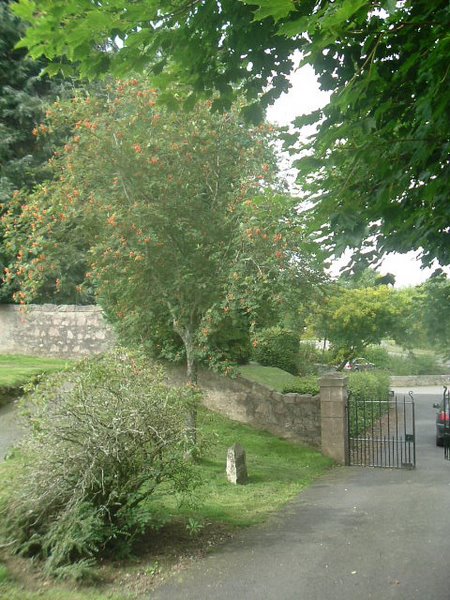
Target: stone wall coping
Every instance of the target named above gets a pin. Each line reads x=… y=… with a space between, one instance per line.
x=418 y=380
x=260 y=386
x=52 y=308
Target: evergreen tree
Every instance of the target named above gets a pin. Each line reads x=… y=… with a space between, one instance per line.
x=23 y=97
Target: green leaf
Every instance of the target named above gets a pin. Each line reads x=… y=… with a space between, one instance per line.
x=253 y=113
x=293 y=28
x=25 y=9
x=277 y=9
x=309 y=119
x=308 y=163
x=344 y=12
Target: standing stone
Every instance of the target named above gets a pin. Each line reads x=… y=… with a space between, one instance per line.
x=236 y=465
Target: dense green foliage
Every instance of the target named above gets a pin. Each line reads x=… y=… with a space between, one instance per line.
x=369 y=392
x=369 y=385
x=353 y=318
x=433 y=311
x=401 y=363
x=277 y=347
x=378 y=166
x=103 y=437
x=23 y=97
x=309 y=358
x=303 y=385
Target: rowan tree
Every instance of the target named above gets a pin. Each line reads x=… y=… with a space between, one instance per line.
x=179 y=217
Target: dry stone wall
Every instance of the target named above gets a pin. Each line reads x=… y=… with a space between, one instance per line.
x=419 y=380
x=50 y=330
x=291 y=416
x=77 y=331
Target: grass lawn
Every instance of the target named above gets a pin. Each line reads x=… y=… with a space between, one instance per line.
x=278 y=471
x=16 y=370
x=271 y=377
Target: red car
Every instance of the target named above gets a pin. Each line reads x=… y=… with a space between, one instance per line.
x=442 y=418
x=359 y=364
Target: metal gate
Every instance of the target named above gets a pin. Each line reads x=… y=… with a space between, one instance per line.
x=382 y=432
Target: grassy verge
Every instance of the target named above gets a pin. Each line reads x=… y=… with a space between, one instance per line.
x=16 y=371
x=278 y=470
x=280 y=380
x=272 y=377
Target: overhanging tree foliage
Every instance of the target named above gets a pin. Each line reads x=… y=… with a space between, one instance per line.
x=433 y=312
x=379 y=165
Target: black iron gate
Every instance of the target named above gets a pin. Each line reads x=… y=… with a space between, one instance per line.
x=382 y=432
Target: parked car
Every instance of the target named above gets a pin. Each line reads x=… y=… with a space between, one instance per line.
x=442 y=418
x=359 y=364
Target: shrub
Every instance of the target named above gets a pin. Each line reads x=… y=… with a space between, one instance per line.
x=4 y=575
x=277 y=347
x=308 y=357
x=364 y=386
x=104 y=436
x=415 y=365
x=369 y=385
x=379 y=356
x=303 y=385
x=411 y=364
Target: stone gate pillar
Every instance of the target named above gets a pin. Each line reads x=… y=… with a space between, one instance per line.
x=333 y=416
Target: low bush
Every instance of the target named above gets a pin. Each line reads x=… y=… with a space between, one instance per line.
x=364 y=387
x=4 y=575
x=411 y=364
x=369 y=385
x=415 y=365
x=379 y=356
x=303 y=385
x=277 y=347
x=104 y=437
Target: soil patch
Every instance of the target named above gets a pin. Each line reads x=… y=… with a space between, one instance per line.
x=158 y=557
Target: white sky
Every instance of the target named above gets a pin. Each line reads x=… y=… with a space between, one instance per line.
x=302 y=98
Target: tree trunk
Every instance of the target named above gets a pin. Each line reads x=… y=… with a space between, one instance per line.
x=192 y=378
x=191 y=365
x=347 y=358
x=187 y=336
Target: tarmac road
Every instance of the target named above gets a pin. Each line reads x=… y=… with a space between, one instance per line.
x=358 y=533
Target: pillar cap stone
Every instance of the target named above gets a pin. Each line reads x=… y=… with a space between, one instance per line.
x=333 y=380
